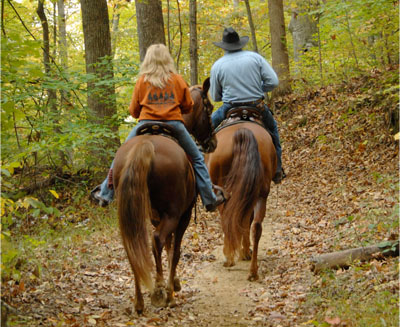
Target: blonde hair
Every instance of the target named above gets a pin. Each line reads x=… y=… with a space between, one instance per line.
x=157 y=65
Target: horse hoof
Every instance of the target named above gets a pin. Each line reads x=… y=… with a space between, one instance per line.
x=159 y=298
x=252 y=277
x=172 y=303
x=245 y=256
x=229 y=264
x=177 y=284
x=139 y=309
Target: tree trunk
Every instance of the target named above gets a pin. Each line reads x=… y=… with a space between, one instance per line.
x=178 y=55
x=303 y=29
x=97 y=38
x=51 y=94
x=62 y=34
x=342 y=259
x=115 y=29
x=280 y=57
x=2 y=18
x=62 y=44
x=193 y=43
x=150 y=24
x=252 y=29
x=168 y=26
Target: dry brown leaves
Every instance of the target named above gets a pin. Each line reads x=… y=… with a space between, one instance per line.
x=340 y=160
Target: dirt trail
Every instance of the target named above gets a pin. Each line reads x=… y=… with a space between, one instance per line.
x=223 y=298
x=92 y=284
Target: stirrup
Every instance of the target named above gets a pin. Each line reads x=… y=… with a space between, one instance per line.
x=213 y=206
x=96 y=198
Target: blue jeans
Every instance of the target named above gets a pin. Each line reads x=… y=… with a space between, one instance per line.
x=203 y=181
x=268 y=120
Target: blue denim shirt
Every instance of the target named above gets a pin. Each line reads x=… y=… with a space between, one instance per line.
x=241 y=76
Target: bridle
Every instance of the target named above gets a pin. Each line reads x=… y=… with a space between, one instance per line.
x=207 y=105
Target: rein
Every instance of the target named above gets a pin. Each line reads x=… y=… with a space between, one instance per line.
x=206 y=102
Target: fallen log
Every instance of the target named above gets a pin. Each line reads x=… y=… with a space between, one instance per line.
x=343 y=259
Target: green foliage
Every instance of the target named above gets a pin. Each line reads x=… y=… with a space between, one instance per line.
x=336 y=297
x=355 y=36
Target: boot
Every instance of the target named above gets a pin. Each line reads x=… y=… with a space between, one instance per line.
x=213 y=206
x=96 y=198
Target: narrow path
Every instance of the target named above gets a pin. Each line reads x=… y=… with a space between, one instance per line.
x=92 y=284
x=224 y=297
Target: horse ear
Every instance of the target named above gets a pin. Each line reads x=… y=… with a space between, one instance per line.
x=206 y=85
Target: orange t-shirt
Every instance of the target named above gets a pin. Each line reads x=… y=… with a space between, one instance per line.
x=169 y=103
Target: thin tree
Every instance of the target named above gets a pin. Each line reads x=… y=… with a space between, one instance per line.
x=97 y=39
x=62 y=44
x=150 y=24
x=193 y=43
x=251 y=24
x=62 y=34
x=168 y=26
x=2 y=18
x=178 y=55
x=349 y=30
x=280 y=57
x=51 y=94
x=115 y=28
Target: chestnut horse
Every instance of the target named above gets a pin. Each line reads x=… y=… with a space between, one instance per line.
x=244 y=164
x=155 y=183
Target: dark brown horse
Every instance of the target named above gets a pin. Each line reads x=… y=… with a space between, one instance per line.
x=155 y=183
x=243 y=163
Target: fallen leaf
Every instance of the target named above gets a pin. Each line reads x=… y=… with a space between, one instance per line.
x=333 y=321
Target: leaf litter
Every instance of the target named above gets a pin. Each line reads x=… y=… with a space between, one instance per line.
x=341 y=166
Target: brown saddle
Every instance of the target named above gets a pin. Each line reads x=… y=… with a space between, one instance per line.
x=157 y=128
x=237 y=115
x=153 y=128
x=244 y=113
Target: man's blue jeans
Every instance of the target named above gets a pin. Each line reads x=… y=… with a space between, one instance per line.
x=203 y=181
x=268 y=120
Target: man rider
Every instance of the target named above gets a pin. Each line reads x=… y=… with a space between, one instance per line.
x=240 y=78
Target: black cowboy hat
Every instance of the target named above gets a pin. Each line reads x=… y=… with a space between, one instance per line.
x=231 y=40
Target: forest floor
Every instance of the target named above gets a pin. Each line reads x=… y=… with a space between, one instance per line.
x=341 y=192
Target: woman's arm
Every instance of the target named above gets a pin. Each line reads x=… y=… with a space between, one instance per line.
x=134 y=107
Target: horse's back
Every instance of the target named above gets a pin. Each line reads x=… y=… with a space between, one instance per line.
x=171 y=178
x=219 y=162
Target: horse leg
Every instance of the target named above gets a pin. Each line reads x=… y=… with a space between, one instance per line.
x=245 y=252
x=139 y=303
x=229 y=256
x=168 y=248
x=159 y=297
x=173 y=281
x=177 y=284
x=259 y=210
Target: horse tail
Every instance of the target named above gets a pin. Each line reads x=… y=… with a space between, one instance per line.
x=244 y=184
x=134 y=208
